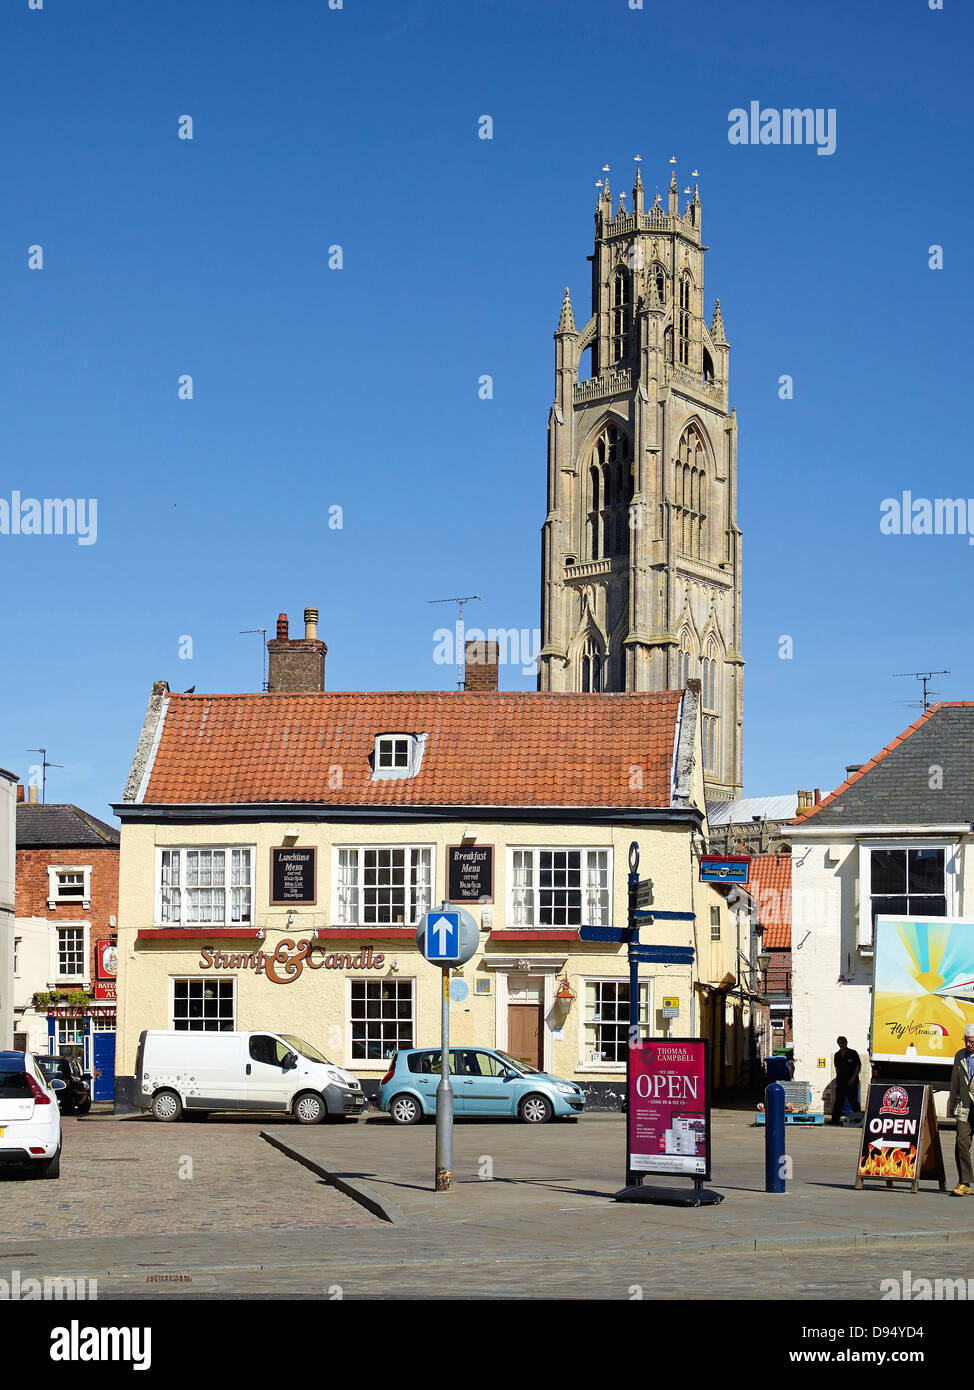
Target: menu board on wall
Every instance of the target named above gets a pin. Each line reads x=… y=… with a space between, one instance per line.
x=293 y=876
x=470 y=873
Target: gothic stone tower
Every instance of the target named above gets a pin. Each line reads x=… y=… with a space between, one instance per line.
x=641 y=552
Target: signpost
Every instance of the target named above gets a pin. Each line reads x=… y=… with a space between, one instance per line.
x=651 y=1072
x=448 y=936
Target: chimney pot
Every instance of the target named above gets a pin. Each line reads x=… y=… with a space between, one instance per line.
x=818 y=796
x=310 y=624
x=32 y=795
x=282 y=627
x=20 y=792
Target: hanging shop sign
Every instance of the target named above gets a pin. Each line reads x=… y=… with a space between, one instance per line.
x=293 y=876
x=900 y=1138
x=724 y=868
x=285 y=964
x=470 y=873
x=106 y=960
x=669 y=1107
x=105 y=989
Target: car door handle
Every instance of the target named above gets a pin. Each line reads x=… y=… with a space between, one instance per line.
x=248 y=1068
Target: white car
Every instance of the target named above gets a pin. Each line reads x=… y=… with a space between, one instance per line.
x=30 y=1117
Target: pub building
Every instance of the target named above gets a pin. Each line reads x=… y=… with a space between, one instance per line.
x=278 y=851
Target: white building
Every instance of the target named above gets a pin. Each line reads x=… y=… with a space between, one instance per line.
x=8 y=874
x=895 y=838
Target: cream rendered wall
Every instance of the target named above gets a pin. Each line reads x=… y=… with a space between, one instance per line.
x=315 y=1005
x=35 y=973
x=8 y=872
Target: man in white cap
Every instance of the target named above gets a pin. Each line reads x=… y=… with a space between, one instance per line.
x=959 y=1104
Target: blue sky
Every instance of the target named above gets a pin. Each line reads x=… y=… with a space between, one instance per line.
x=358 y=387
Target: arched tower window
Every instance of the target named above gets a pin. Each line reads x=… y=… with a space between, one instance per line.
x=657 y=284
x=592 y=667
x=690 y=492
x=683 y=318
x=710 y=704
x=684 y=659
x=620 y=315
x=609 y=495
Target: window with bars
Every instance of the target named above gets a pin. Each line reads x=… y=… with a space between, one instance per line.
x=552 y=888
x=382 y=1018
x=203 y=1006
x=70 y=952
x=202 y=887
x=684 y=319
x=605 y=1031
x=610 y=489
x=621 y=316
x=383 y=885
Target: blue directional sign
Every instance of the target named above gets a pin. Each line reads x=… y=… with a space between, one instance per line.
x=662 y=955
x=442 y=936
x=650 y=914
x=619 y=935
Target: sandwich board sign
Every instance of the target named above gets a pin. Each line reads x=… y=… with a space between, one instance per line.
x=900 y=1138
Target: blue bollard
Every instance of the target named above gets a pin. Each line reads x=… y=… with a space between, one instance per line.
x=774 y=1137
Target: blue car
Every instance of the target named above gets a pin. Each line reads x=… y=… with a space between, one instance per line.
x=485 y=1083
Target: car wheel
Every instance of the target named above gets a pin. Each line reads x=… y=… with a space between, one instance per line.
x=167 y=1106
x=535 y=1110
x=84 y=1108
x=405 y=1110
x=51 y=1168
x=310 y=1109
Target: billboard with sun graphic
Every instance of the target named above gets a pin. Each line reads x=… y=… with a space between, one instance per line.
x=923 y=987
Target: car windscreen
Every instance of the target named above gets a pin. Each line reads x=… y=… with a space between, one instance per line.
x=14 y=1085
x=519 y=1066
x=305 y=1049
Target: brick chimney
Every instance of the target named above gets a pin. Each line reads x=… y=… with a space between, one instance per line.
x=480 y=661
x=296 y=663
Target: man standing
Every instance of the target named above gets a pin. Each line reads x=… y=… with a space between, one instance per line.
x=959 y=1105
x=847 y=1065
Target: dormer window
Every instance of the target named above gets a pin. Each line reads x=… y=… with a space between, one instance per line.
x=397 y=755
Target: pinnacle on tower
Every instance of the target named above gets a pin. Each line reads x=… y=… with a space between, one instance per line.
x=717 y=326
x=637 y=192
x=566 y=324
x=674 y=196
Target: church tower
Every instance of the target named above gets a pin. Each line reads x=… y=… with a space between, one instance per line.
x=641 y=552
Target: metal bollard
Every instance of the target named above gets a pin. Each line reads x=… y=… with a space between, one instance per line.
x=774 y=1137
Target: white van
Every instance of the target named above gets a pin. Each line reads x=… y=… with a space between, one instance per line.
x=197 y=1073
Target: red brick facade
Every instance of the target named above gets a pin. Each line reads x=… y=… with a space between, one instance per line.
x=33 y=889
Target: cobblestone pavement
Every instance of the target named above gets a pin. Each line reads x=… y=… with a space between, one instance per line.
x=133 y=1177
x=252 y=1223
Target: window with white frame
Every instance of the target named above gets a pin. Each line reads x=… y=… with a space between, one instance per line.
x=202 y=887
x=561 y=887
x=103 y=1023
x=383 y=884
x=381 y=1017
x=397 y=755
x=605 y=1028
x=70 y=952
x=69 y=883
x=203 y=1006
x=904 y=880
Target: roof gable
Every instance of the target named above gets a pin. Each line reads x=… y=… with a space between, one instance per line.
x=925 y=776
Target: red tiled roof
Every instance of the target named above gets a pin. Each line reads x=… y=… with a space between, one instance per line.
x=770 y=889
x=806 y=815
x=482 y=749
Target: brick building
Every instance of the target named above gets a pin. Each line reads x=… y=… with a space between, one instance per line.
x=65 y=935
